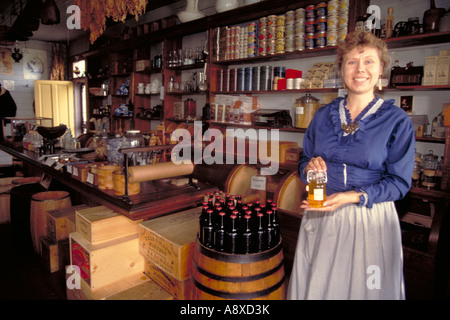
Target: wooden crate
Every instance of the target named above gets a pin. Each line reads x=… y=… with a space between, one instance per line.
x=57 y=226
x=168 y=241
x=108 y=262
x=49 y=254
x=180 y=290
x=135 y=287
x=100 y=224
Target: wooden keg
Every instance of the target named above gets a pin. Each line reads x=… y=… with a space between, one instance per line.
x=41 y=203
x=290 y=193
x=218 y=276
x=105 y=176
x=6 y=184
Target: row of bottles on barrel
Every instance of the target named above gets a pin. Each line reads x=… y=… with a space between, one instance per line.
x=230 y=226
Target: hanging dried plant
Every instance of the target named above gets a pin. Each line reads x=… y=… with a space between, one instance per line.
x=94 y=13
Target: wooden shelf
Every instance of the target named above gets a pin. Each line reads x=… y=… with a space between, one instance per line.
x=431 y=139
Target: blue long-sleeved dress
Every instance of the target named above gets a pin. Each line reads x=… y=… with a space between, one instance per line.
x=355 y=251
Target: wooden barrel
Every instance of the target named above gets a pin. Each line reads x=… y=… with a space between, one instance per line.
x=290 y=193
x=6 y=184
x=41 y=203
x=218 y=276
x=105 y=176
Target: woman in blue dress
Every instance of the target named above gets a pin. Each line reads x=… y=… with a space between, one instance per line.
x=351 y=247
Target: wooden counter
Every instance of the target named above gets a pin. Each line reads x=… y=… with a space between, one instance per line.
x=156 y=198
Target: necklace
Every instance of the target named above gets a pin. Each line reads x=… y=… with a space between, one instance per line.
x=353 y=127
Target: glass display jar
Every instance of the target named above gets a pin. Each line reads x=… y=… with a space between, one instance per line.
x=134 y=139
x=429 y=166
x=305 y=108
x=101 y=146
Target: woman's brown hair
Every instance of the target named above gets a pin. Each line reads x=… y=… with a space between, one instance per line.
x=361 y=39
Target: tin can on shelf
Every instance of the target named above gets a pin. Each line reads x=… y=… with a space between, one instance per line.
x=290 y=17
x=310 y=26
x=321 y=9
x=299 y=43
x=300 y=29
x=262 y=48
x=265 y=80
x=281 y=20
x=262 y=22
x=281 y=31
x=310 y=12
x=321 y=23
x=300 y=14
x=248 y=74
x=320 y=39
x=272 y=20
x=289 y=44
x=332 y=38
x=253 y=27
x=309 y=41
x=271 y=45
x=332 y=22
x=333 y=7
x=256 y=74
x=280 y=45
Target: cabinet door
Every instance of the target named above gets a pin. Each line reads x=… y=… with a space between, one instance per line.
x=54 y=99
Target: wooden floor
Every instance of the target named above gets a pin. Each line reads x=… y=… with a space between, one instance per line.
x=23 y=274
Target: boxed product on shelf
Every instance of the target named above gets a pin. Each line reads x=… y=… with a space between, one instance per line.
x=429 y=75
x=443 y=70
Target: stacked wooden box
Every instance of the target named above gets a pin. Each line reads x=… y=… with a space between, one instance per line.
x=105 y=250
x=167 y=244
x=55 y=245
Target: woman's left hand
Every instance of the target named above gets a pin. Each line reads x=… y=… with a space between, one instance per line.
x=334 y=201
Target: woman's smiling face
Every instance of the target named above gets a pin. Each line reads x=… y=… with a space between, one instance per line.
x=361 y=69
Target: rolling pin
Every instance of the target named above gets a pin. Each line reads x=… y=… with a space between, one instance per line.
x=157 y=171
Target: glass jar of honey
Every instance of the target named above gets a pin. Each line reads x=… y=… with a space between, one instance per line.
x=317 y=188
x=305 y=108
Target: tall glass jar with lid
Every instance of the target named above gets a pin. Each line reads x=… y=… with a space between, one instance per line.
x=101 y=146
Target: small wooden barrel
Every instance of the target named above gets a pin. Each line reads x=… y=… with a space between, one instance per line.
x=41 y=203
x=6 y=184
x=119 y=184
x=105 y=176
x=218 y=276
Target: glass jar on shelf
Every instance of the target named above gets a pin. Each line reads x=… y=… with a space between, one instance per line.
x=101 y=146
x=429 y=166
x=305 y=108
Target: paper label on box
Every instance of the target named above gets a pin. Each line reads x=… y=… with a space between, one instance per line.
x=80 y=258
x=90 y=178
x=258 y=183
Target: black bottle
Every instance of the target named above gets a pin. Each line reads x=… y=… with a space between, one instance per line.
x=270 y=230
x=247 y=236
x=208 y=230
x=231 y=236
x=203 y=221
x=261 y=235
x=276 y=225
x=219 y=233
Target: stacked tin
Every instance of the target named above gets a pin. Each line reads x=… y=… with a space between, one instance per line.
x=320 y=36
x=252 y=40
x=232 y=43
x=343 y=20
x=280 y=34
x=290 y=31
x=310 y=27
x=333 y=22
x=262 y=36
x=300 y=20
x=243 y=43
x=271 y=34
